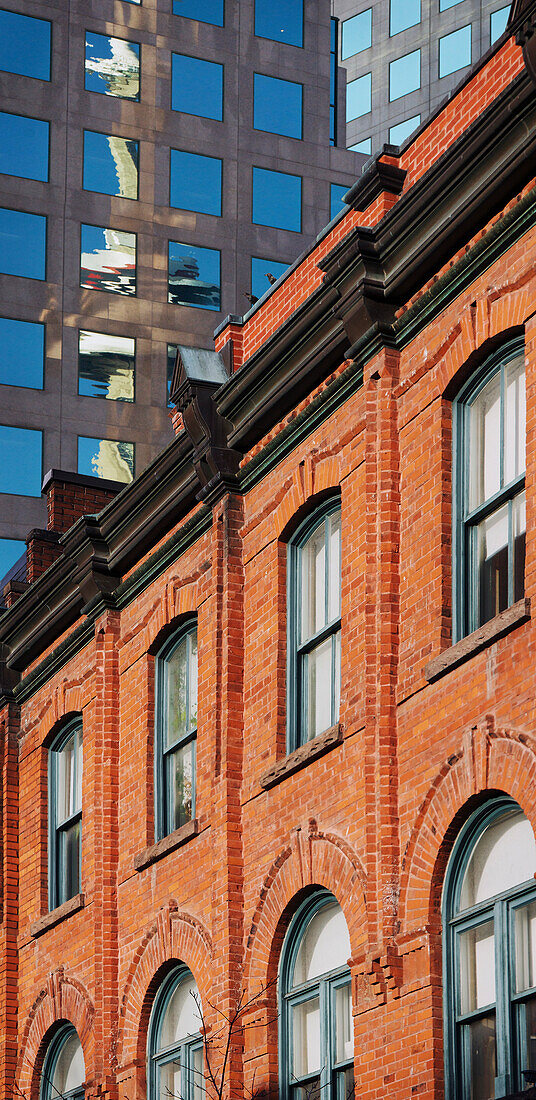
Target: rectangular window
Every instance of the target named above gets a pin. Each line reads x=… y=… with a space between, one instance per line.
x=194 y=276
x=109 y=458
x=176 y=732
x=264 y=273
x=399 y=133
x=21 y=461
x=280 y=20
x=65 y=815
x=359 y=97
x=498 y=20
x=336 y=192
x=196 y=86
x=405 y=75
x=22 y=353
x=112 y=66
x=107 y=259
x=277 y=198
x=106 y=366
x=356 y=34
x=25 y=45
x=364 y=146
x=22 y=243
x=209 y=11
x=403 y=14
x=12 y=559
x=333 y=80
x=445 y=4
x=24 y=146
x=110 y=164
x=195 y=182
x=277 y=106
x=455 y=51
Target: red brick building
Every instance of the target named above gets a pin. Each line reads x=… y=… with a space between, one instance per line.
x=267 y=723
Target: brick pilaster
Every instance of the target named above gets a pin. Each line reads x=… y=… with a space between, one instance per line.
x=9 y=728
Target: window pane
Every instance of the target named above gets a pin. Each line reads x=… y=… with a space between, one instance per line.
x=334 y=577
x=492 y=563
x=65 y=793
x=69 y=862
x=356 y=34
x=110 y=165
x=192 y=643
x=336 y=192
x=196 y=86
x=455 y=51
x=525 y=940
x=313 y=594
x=22 y=243
x=195 y=182
x=177 y=718
x=281 y=20
x=25 y=45
x=364 y=146
x=180 y=785
x=106 y=366
x=210 y=11
x=528 y=1024
x=263 y=273
x=107 y=259
x=514 y=421
x=11 y=550
x=198 y=1091
x=112 y=66
x=399 y=133
x=306 y=1038
x=21 y=461
x=182 y=1016
x=481 y=1049
x=404 y=14
x=405 y=75
x=22 y=350
x=504 y=856
x=485 y=443
x=79 y=768
x=358 y=97
x=477 y=968
x=170 y=367
x=344 y=1031
x=520 y=527
x=337 y=684
x=194 y=276
x=445 y=4
x=24 y=146
x=169 y=1079
x=324 y=946
x=318 y=689
x=498 y=21
x=110 y=458
x=277 y=199
x=69 y=1071
x=277 y=105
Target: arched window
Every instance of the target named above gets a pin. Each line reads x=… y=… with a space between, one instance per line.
x=176 y=732
x=65 y=814
x=489 y=491
x=175 y=1047
x=314 y=626
x=64 y=1072
x=316 y=1039
x=489 y=911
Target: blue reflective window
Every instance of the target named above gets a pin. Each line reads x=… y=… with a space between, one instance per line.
x=356 y=34
x=403 y=14
x=336 y=191
x=196 y=86
x=333 y=81
x=107 y=259
x=281 y=20
x=112 y=66
x=21 y=461
x=364 y=146
x=399 y=133
x=109 y=458
x=277 y=199
x=24 y=146
x=455 y=50
x=358 y=97
x=264 y=273
x=22 y=353
x=498 y=20
x=194 y=277
x=277 y=105
x=22 y=243
x=25 y=45
x=405 y=74
x=445 y=4
x=106 y=366
x=210 y=11
x=195 y=182
x=10 y=552
x=110 y=164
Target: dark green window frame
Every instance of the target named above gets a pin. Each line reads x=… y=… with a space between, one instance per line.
x=510 y=1006
x=188 y=1051
x=298 y=650
x=65 y=831
x=48 y=1090
x=336 y=1077
x=468 y=598
x=165 y=753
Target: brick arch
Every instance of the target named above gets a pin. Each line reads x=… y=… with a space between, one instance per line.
x=63 y=999
x=178 y=602
x=489 y=760
x=314 y=479
x=482 y=327
x=52 y=728
x=174 y=936
x=314 y=859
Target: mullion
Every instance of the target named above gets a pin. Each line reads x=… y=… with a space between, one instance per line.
x=493 y=503
x=320 y=636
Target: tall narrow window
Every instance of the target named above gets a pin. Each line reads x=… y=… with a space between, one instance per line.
x=317 y=1040
x=489 y=909
x=65 y=814
x=314 y=622
x=175 y=1047
x=490 y=480
x=176 y=732
x=64 y=1070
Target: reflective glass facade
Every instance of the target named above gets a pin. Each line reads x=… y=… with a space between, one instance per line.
x=405 y=74
x=356 y=34
x=109 y=458
x=359 y=97
x=364 y=146
x=195 y=182
x=22 y=352
x=399 y=133
x=455 y=51
x=498 y=21
x=110 y=164
x=336 y=192
x=194 y=276
x=106 y=366
x=107 y=259
x=277 y=199
x=24 y=146
x=281 y=20
x=260 y=269
x=10 y=552
x=112 y=66
x=403 y=14
x=277 y=106
x=21 y=461
x=196 y=86
x=209 y=11
x=25 y=45
x=22 y=243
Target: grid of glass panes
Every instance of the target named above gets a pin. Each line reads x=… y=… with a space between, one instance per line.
x=319 y=633
x=176 y=1052
x=67 y=816
x=178 y=731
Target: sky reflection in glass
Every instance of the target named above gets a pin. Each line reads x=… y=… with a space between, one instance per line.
x=259 y=269
x=10 y=552
x=195 y=182
x=24 y=146
x=22 y=243
x=196 y=86
x=356 y=34
x=277 y=106
x=112 y=66
x=336 y=191
x=403 y=14
x=455 y=51
x=277 y=199
x=22 y=352
x=110 y=458
x=110 y=165
x=107 y=259
x=498 y=20
x=106 y=366
x=364 y=146
x=280 y=20
x=359 y=97
x=25 y=45
x=206 y=11
x=405 y=74
x=399 y=133
x=194 y=276
x=21 y=461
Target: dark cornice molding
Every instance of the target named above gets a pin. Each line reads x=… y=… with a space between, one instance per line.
x=379 y=177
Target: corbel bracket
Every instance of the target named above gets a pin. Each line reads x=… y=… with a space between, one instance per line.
x=197 y=377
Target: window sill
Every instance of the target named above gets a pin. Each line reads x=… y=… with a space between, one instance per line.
x=167 y=844
x=301 y=757
x=478 y=640
x=73 y=905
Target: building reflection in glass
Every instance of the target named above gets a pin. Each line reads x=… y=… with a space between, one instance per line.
x=194 y=276
x=109 y=458
x=110 y=164
x=107 y=260
x=112 y=66
x=106 y=366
